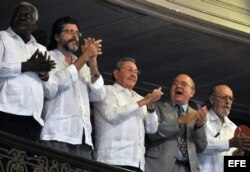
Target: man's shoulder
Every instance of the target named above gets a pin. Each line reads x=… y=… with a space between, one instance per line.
x=164 y=103
x=41 y=47
x=3 y=33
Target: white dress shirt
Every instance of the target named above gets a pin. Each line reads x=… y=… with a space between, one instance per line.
x=218 y=136
x=21 y=93
x=67 y=109
x=120 y=128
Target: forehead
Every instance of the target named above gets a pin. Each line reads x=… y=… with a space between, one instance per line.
x=25 y=9
x=129 y=64
x=183 y=78
x=70 y=26
x=224 y=90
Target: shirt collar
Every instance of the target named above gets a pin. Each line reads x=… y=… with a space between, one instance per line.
x=214 y=117
x=13 y=34
x=62 y=55
x=184 y=106
x=122 y=89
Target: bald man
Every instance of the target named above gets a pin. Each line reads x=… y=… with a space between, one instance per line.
x=220 y=131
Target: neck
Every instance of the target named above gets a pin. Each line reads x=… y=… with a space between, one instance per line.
x=25 y=38
x=67 y=55
x=221 y=119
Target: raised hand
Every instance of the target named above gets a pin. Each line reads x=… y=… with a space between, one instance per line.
x=151 y=98
x=38 y=62
x=241 y=142
x=238 y=152
x=91 y=49
x=201 y=116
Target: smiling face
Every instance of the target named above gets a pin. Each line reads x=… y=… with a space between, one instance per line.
x=221 y=100
x=182 y=89
x=127 y=75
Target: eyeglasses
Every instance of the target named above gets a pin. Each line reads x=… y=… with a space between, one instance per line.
x=181 y=83
x=224 y=98
x=129 y=70
x=137 y=72
x=71 y=32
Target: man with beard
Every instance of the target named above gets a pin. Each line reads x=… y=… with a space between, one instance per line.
x=220 y=132
x=69 y=89
x=180 y=134
x=21 y=61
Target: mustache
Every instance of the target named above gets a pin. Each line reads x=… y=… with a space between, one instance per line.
x=73 y=40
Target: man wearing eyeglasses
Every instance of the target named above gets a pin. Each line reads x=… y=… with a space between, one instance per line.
x=181 y=132
x=70 y=88
x=220 y=132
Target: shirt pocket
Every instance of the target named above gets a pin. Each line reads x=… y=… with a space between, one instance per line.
x=123 y=149
x=13 y=94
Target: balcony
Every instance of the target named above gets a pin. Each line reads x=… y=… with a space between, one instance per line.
x=21 y=155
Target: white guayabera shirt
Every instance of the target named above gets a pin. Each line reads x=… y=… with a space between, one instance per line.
x=21 y=93
x=218 y=135
x=67 y=109
x=120 y=127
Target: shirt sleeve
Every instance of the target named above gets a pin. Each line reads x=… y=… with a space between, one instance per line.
x=7 y=69
x=111 y=111
x=59 y=79
x=216 y=147
x=97 y=90
x=151 y=122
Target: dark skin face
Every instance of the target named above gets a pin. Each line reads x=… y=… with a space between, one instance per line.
x=23 y=22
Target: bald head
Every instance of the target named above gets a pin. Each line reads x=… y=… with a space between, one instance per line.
x=221 y=99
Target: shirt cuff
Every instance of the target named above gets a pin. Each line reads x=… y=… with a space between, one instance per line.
x=224 y=145
x=16 y=68
x=152 y=116
x=98 y=84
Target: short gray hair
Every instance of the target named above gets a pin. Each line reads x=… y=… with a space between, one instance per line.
x=118 y=65
x=24 y=3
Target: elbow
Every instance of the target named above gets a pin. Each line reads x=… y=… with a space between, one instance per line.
x=112 y=118
x=152 y=130
x=202 y=147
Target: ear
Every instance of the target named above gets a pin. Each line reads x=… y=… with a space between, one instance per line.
x=192 y=92
x=115 y=73
x=36 y=25
x=211 y=100
x=56 y=37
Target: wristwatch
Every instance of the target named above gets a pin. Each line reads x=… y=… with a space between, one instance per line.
x=96 y=75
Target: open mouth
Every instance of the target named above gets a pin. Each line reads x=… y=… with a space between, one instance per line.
x=178 y=92
x=73 y=41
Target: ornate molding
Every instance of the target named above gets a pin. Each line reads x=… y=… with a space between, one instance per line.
x=227 y=13
x=196 y=14
x=21 y=155
x=237 y=6
x=17 y=160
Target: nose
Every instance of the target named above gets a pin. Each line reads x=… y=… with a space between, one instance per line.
x=74 y=34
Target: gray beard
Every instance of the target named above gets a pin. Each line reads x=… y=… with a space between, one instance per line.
x=71 y=48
